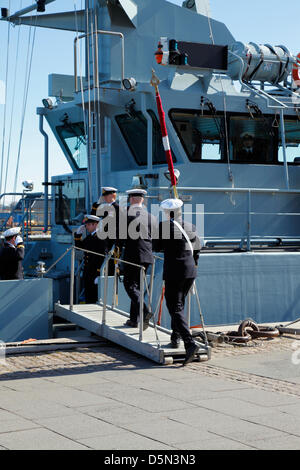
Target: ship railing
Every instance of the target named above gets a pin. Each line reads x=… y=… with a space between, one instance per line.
x=247 y=237
x=96 y=82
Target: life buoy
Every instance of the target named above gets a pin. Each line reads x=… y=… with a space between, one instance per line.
x=296 y=70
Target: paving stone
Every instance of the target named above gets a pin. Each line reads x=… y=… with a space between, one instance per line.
x=42 y=409
x=38 y=439
x=6 y=415
x=148 y=401
x=16 y=424
x=78 y=426
x=201 y=418
x=214 y=444
x=243 y=431
x=262 y=397
x=34 y=385
x=167 y=431
x=117 y=415
x=280 y=443
x=124 y=440
x=79 y=379
x=105 y=389
x=232 y=407
x=280 y=421
x=72 y=398
x=293 y=410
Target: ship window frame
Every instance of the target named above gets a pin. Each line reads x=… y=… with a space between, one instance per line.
x=66 y=181
x=286 y=118
x=155 y=128
x=224 y=159
x=223 y=155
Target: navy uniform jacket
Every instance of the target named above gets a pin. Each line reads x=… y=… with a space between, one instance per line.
x=179 y=261
x=138 y=242
x=11 y=262
x=113 y=211
x=92 y=263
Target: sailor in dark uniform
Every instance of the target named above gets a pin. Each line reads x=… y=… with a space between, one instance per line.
x=92 y=263
x=108 y=210
x=181 y=246
x=249 y=151
x=138 y=250
x=12 y=255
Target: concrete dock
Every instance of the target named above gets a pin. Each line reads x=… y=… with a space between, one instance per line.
x=101 y=396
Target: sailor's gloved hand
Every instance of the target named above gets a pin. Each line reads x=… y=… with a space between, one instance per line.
x=19 y=240
x=96 y=281
x=80 y=230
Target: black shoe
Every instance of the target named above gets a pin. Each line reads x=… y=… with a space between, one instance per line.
x=175 y=343
x=190 y=353
x=131 y=323
x=146 y=321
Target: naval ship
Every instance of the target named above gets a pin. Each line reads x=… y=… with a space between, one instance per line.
x=232 y=112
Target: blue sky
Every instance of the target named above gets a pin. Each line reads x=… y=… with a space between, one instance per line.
x=260 y=21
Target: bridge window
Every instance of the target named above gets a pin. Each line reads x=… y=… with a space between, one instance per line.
x=200 y=135
x=69 y=201
x=134 y=130
x=252 y=140
x=292 y=140
x=75 y=142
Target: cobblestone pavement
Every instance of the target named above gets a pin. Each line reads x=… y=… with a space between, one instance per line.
x=90 y=359
x=246 y=397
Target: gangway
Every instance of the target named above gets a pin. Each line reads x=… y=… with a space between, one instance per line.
x=108 y=321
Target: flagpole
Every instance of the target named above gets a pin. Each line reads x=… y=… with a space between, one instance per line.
x=165 y=139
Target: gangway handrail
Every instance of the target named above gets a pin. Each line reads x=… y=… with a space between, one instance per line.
x=107 y=258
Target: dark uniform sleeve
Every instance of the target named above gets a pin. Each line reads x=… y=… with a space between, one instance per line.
x=196 y=243
x=20 y=252
x=94 y=208
x=158 y=242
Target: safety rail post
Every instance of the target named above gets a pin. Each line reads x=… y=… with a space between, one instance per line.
x=105 y=290
x=249 y=222
x=114 y=295
x=142 y=269
x=72 y=278
x=151 y=285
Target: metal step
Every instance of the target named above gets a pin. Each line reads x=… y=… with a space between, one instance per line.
x=89 y=316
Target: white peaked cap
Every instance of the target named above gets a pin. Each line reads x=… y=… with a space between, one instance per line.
x=11 y=232
x=136 y=192
x=171 y=204
x=108 y=189
x=93 y=218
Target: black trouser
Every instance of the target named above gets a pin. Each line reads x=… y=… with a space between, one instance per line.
x=90 y=288
x=175 y=294
x=132 y=287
